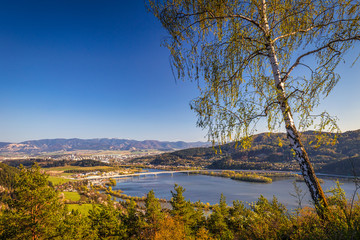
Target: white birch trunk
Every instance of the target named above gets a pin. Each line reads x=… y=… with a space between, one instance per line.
x=301 y=156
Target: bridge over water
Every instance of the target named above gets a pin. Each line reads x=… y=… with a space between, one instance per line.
x=172 y=173
x=149 y=174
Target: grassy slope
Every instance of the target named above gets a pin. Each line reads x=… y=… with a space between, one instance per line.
x=58 y=180
x=72 y=196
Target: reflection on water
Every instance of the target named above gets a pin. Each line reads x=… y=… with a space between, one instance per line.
x=209 y=189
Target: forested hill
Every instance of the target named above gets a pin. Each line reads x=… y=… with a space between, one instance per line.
x=270 y=151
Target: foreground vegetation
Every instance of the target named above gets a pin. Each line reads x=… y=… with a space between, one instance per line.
x=32 y=209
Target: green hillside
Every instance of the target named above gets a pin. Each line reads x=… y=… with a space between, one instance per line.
x=268 y=152
x=7 y=175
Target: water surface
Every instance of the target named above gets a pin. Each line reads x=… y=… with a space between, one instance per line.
x=209 y=188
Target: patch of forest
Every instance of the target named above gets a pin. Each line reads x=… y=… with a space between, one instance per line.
x=7 y=175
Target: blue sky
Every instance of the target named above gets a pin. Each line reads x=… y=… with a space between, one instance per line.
x=91 y=69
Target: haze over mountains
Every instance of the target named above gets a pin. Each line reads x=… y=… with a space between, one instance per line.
x=53 y=145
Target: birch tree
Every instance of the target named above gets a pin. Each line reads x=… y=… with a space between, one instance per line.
x=271 y=59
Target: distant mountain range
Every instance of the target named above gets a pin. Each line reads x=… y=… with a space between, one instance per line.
x=54 y=145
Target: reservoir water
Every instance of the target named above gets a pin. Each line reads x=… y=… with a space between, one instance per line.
x=209 y=188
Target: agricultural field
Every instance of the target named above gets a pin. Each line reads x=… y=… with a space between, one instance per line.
x=67 y=168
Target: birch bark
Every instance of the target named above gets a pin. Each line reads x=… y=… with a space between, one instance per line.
x=301 y=155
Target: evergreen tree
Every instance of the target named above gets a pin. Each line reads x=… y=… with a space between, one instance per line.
x=133 y=220
x=237 y=218
x=218 y=221
x=153 y=215
x=74 y=226
x=33 y=207
x=184 y=211
x=105 y=221
x=269 y=219
x=180 y=207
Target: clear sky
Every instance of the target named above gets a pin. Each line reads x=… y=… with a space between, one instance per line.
x=92 y=69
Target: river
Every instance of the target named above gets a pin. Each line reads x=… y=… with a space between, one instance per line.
x=209 y=188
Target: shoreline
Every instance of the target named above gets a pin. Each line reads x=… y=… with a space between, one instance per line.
x=161 y=171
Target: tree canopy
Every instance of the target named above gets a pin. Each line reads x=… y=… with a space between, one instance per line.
x=224 y=45
x=261 y=59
